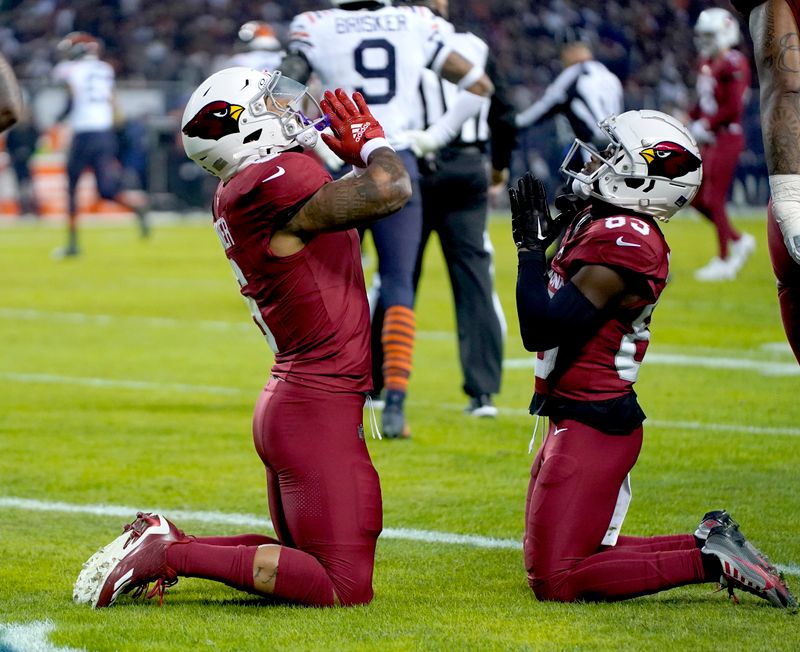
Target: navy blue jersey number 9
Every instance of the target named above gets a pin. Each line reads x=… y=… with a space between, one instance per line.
x=387 y=72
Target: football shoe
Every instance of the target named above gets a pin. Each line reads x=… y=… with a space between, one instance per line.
x=745 y=568
x=481 y=406
x=393 y=419
x=131 y=561
x=713 y=519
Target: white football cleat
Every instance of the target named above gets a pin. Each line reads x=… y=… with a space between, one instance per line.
x=717 y=269
x=740 y=250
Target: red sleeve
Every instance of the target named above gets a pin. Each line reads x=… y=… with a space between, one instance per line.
x=271 y=190
x=733 y=81
x=625 y=243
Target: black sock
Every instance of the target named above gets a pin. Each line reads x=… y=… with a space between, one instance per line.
x=712 y=568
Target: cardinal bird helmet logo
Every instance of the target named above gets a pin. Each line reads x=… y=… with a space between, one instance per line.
x=652 y=164
x=670 y=160
x=215 y=120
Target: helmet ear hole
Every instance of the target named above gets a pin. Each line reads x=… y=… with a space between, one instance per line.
x=252 y=136
x=634 y=183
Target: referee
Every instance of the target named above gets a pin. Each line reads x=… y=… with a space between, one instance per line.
x=584 y=93
x=454 y=186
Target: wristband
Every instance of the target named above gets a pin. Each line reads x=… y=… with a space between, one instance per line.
x=473 y=75
x=371 y=145
x=784 y=187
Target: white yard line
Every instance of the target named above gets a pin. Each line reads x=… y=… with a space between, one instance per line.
x=252 y=521
x=133 y=384
x=30 y=637
x=763 y=367
x=26 y=314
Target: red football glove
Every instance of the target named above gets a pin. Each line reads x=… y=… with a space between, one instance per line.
x=356 y=131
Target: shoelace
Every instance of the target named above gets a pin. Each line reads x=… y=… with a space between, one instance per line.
x=160 y=587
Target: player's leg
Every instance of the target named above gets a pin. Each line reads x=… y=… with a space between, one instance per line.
x=787 y=273
x=108 y=171
x=77 y=161
x=573 y=496
x=329 y=489
x=719 y=168
x=397 y=239
x=463 y=209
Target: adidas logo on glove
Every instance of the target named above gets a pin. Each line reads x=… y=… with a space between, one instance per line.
x=359 y=129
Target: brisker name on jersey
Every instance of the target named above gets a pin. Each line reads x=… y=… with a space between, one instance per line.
x=385 y=23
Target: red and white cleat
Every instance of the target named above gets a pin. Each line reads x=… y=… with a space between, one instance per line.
x=131 y=561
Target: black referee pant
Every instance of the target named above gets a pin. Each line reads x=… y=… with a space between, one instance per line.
x=455 y=205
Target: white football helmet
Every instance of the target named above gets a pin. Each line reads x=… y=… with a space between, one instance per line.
x=342 y=3
x=652 y=165
x=77 y=45
x=239 y=112
x=259 y=35
x=715 y=31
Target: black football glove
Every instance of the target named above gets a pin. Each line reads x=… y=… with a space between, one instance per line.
x=531 y=225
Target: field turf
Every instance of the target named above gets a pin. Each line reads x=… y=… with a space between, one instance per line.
x=127 y=382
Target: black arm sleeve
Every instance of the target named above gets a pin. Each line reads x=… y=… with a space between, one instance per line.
x=569 y=317
x=296 y=66
x=502 y=127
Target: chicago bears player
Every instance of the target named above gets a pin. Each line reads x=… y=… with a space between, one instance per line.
x=774 y=26
x=287 y=230
x=381 y=51
x=264 y=50
x=723 y=79
x=589 y=322
x=91 y=113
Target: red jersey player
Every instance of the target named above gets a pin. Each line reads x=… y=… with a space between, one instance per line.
x=723 y=79
x=589 y=321
x=286 y=230
x=774 y=26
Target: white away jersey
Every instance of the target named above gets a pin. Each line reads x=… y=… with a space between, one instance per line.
x=380 y=53
x=91 y=82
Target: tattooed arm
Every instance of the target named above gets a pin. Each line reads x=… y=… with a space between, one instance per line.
x=777 y=51
x=776 y=42
x=382 y=189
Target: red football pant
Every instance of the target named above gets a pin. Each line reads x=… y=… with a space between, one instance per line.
x=575 y=480
x=788 y=274
x=719 y=166
x=324 y=492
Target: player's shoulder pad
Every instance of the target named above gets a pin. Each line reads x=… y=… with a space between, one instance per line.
x=277 y=183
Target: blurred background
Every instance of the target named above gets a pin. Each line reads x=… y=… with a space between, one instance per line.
x=162 y=50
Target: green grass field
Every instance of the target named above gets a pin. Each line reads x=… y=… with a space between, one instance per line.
x=128 y=379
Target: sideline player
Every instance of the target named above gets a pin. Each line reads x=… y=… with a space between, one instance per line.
x=10 y=96
x=287 y=230
x=723 y=80
x=264 y=50
x=589 y=321
x=775 y=28
x=91 y=110
x=381 y=51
